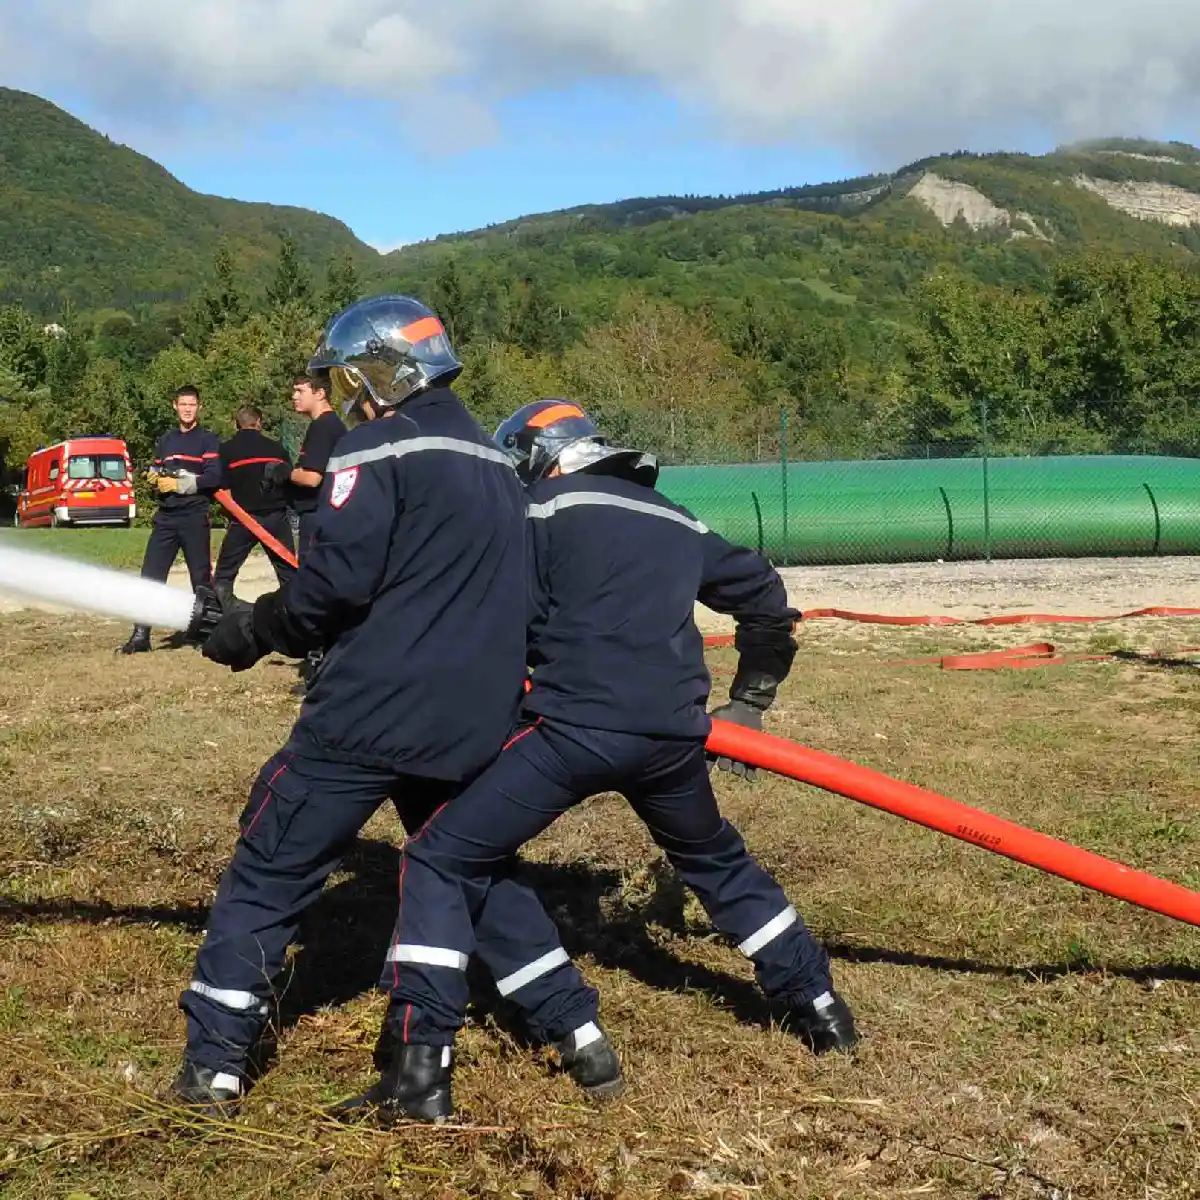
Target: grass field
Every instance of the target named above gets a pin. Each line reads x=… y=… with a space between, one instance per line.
x=110 y=547
x=1024 y=1037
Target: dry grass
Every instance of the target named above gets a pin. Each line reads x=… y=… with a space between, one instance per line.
x=1024 y=1038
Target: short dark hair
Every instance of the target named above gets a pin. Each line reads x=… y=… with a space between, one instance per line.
x=248 y=416
x=188 y=389
x=317 y=380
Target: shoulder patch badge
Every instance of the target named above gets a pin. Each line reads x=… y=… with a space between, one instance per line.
x=343 y=485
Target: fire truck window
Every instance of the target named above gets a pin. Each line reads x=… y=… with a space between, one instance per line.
x=103 y=466
x=53 y=472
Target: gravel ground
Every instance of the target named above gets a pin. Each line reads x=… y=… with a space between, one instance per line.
x=973 y=589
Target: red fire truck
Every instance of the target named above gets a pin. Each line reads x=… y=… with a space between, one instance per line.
x=84 y=481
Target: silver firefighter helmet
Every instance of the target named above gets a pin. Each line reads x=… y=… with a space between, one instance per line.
x=383 y=350
x=553 y=433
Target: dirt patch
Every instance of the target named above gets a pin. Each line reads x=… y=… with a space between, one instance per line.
x=1084 y=586
x=1080 y=586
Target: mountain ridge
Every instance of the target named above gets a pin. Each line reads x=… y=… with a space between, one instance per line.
x=120 y=225
x=86 y=220
x=1176 y=164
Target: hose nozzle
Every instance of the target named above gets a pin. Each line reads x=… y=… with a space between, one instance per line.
x=206 y=612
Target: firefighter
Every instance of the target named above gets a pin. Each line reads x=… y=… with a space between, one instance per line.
x=245 y=459
x=617 y=703
x=186 y=472
x=302 y=483
x=414 y=586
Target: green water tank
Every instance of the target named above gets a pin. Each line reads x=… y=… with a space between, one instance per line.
x=913 y=510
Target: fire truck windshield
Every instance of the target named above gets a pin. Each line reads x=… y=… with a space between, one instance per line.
x=96 y=466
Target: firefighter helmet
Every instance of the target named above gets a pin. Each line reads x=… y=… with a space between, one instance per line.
x=383 y=350
x=553 y=433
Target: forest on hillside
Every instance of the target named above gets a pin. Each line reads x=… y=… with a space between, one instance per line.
x=695 y=326
x=1101 y=355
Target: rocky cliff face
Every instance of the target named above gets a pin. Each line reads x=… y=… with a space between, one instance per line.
x=949 y=200
x=1148 y=201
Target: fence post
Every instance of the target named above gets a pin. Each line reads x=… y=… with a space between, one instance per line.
x=783 y=463
x=987 y=498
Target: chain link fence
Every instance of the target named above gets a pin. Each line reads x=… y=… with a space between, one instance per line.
x=809 y=501
x=802 y=495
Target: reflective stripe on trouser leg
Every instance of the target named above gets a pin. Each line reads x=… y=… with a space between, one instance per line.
x=301 y=817
x=456 y=874
x=740 y=897
x=228 y=998
x=518 y=943
x=531 y=972
x=429 y=956
x=761 y=938
x=585 y=1035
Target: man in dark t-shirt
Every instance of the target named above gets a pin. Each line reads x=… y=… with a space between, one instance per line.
x=310 y=397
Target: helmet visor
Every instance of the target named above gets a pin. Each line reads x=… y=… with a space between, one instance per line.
x=347 y=388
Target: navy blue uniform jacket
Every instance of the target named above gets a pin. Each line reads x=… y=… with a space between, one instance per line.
x=415 y=588
x=199 y=452
x=615 y=571
x=244 y=460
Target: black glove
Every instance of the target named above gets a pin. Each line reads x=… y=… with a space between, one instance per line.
x=233 y=643
x=765 y=654
x=737 y=712
x=276 y=628
x=276 y=476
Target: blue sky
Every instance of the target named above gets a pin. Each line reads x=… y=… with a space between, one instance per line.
x=407 y=120
x=554 y=149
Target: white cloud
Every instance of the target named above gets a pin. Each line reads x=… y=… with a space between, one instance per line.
x=888 y=78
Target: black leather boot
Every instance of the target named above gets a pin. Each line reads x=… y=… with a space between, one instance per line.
x=205 y=1091
x=590 y=1060
x=139 y=641
x=415 y=1085
x=824 y=1024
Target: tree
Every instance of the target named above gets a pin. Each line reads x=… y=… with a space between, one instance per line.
x=448 y=299
x=540 y=324
x=24 y=348
x=67 y=354
x=292 y=283
x=979 y=347
x=221 y=302
x=1124 y=350
x=342 y=284
x=658 y=377
x=499 y=378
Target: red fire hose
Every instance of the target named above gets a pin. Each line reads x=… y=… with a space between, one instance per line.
x=957 y=820
x=904 y=799
x=236 y=511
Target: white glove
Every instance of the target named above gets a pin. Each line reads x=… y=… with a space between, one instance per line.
x=187 y=484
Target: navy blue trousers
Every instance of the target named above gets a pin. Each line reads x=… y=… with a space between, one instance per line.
x=450 y=870
x=188 y=530
x=302 y=817
x=238 y=543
